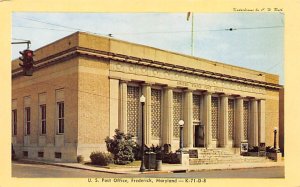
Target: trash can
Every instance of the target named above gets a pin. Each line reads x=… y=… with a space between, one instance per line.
x=158 y=165
x=150 y=158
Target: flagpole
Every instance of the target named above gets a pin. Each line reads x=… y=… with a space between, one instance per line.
x=192 y=42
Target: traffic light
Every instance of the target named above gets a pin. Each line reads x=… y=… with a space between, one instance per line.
x=27 y=59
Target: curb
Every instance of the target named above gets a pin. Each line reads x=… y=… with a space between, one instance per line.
x=75 y=167
x=185 y=170
x=105 y=171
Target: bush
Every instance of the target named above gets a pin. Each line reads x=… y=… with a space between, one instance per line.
x=270 y=149
x=101 y=158
x=253 y=149
x=122 y=147
x=13 y=153
x=80 y=158
x=137 y=152
x=170 y=158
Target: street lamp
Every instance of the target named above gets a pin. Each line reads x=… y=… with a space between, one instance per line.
x=142 y=101
x=181 y=123
x=275 y=131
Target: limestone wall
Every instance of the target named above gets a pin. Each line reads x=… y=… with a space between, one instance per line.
x=62 y=76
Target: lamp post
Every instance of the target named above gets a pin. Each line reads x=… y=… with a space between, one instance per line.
x=181 y=123
x=275 y=131
x=142 y=101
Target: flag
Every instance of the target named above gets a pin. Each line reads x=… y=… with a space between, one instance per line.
x=188 y=16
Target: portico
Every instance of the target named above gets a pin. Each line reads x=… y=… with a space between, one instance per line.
x=214 y=116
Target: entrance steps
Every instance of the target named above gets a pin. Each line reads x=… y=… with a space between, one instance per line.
x=222 y=156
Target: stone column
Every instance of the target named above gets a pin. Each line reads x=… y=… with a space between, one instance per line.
x=223 y=124
x=147 y=113
x=261 y=121
x=188 y=119
x=123 y=107
x=253 y=124
x=239 y=126
x=113 y=105
x=167 y=131
x=207 y=118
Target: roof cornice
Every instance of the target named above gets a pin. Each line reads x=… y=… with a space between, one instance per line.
x=92 y=53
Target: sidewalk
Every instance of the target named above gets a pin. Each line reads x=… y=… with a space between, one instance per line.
x=166 y=168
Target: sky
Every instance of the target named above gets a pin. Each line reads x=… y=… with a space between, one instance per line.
x=256 y=40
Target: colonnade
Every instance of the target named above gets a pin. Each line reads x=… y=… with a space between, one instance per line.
x=255 y=130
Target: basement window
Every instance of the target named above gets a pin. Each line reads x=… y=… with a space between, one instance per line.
x=41 y=154
x=57 y=154
x=25 y=154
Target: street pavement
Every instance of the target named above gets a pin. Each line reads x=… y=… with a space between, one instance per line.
x=39 y=170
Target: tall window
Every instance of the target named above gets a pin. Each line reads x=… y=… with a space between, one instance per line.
x=246 y=118
x=177 y=112
x=133 y=109
x=214 y=116
x=43 y=118
x=61 y=116
x=14 y=122
x=27 y=121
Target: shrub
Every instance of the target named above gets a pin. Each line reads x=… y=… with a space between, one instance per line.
x=253 y=149
x=101 y=158
x=270 y=149
x=137 y=152
x=170 y=158
x=80 y=158
x=122 y=147
x=13 y=153
x=167 y=148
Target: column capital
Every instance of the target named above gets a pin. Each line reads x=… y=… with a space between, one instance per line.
x=147 y=83
x=225 y=95
x=124 y=80
x=261 y=99
x=114 y=77
x=188 y=90
x=241 y=97
x=169 y=87
x=207 y=93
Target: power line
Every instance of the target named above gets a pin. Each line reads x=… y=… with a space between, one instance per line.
x=42 y=28
x=273 y=66
x=58 y=25
x=53 y=24
x=19 y=39
x=154 y=32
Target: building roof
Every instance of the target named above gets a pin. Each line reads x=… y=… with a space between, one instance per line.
x=105 y=47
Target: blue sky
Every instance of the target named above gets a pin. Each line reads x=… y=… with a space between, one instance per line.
x=256 y=42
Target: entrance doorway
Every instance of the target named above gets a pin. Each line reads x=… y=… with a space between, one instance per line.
x=198 y=135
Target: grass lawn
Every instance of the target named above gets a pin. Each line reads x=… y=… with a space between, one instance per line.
x=132 y=164
x=136 y=163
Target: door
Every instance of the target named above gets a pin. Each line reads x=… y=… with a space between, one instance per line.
x=199 y=135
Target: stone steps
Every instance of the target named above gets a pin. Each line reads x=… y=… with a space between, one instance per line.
x=221 y=156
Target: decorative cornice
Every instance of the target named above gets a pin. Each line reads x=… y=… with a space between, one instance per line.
x=92 y=53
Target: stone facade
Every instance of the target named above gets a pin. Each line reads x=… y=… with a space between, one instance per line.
x=99 y=81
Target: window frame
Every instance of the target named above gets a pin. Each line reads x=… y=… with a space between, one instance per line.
x=27 y=120
x=60 y=117
x=43 y=119
x=14 y=122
